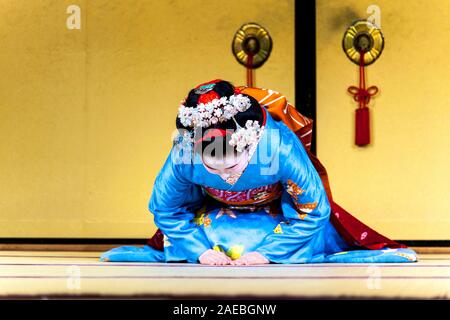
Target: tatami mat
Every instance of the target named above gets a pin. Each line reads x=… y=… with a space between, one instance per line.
x=47 y=274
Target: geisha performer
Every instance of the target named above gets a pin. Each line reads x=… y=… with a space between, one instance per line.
x=240 y=187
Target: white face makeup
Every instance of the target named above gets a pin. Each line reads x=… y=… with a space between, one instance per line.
x=222 y=163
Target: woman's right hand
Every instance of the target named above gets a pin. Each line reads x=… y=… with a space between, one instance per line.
x=213 y=257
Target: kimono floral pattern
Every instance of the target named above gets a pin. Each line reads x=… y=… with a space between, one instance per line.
x=234 y=252
x=296 y=192
x=278 y=229
x=225 y=211
x=166 y=242
x=202 y=218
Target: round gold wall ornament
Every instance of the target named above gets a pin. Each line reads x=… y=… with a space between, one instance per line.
x=251 y=40
x=363 y=37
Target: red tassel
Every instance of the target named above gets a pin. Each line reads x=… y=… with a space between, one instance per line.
x=362 y=96
x=362 y=126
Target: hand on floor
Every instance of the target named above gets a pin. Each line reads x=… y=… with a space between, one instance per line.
x=213 y=257
x=250 y=259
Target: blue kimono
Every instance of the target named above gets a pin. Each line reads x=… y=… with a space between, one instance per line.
x=278 y=207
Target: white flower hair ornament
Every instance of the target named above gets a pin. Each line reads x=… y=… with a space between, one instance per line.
x=214 y=111
x=246 y=136
x=183 y=138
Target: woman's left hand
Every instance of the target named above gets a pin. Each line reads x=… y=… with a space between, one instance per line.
x=250 y=258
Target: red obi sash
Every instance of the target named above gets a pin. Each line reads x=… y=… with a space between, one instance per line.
x=256 y=196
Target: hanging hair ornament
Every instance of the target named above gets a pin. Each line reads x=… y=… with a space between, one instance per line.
x=183 y=139
x=246 y=136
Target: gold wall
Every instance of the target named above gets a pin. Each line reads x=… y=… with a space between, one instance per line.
x=398 y=184
x=87 y=115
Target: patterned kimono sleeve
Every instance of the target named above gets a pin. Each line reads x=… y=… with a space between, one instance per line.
x=305 y=208
x=172 y=202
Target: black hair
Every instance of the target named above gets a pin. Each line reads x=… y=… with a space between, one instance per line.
x=226 y=89
x=223 y=89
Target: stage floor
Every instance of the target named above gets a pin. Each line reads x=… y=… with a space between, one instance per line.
x=49 y=274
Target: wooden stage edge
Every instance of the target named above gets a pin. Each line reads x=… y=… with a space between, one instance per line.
x=105 y=247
